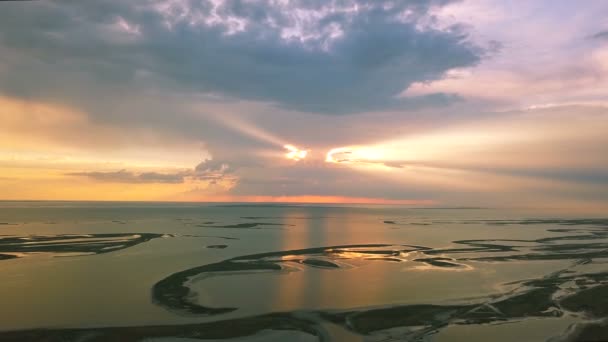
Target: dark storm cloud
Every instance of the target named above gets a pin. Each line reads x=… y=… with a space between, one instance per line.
x=337 y=61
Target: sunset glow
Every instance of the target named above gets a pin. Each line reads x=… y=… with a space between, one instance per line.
x=356 y=109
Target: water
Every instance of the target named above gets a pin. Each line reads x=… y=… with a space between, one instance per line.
x=174 y=272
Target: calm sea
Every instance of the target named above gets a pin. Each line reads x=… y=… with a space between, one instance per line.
x=239 y=272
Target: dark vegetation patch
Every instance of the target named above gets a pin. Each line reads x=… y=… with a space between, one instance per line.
x=248 y=225
x=593 y=301
x=590 y=332
x=385 y=259
x=217 y=246
x=7 y=256
x=320 y=263
x=439 y=262
x=174 y=294
x=72 y=243
x=226 y=329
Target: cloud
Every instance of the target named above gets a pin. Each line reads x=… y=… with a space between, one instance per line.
x=124 y=176
x=600 y=35
x=209 y=171
x=214 y=171
x=329 y=57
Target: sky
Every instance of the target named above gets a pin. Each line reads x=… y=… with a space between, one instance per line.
x=421 y=102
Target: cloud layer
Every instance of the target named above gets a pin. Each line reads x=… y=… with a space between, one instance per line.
x=330 y=57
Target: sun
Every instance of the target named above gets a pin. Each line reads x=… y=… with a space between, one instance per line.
x=295 y=153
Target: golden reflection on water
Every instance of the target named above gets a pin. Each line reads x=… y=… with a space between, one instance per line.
x=290 y=290
x=355 y=282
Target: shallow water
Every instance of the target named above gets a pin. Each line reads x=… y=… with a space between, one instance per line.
x=177 y=272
